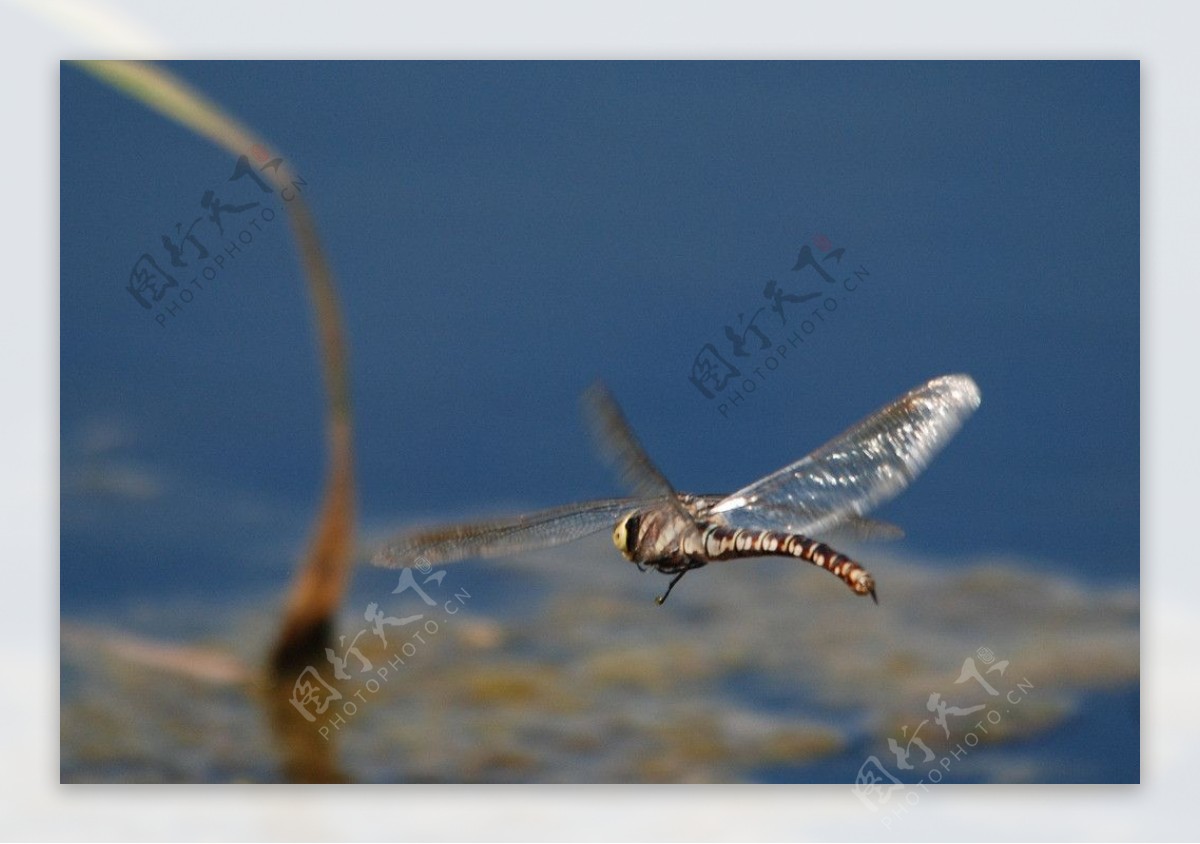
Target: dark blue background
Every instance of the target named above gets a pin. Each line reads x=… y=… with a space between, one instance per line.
x=504 y=233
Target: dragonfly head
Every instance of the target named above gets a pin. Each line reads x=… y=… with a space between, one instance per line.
x=625 y=534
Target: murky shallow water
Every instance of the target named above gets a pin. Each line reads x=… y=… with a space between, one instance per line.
x=560 y=668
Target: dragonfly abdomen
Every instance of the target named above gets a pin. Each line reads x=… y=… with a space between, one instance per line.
x=725 y=543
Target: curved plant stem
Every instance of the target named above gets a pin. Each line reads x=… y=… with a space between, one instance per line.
x=321 y=580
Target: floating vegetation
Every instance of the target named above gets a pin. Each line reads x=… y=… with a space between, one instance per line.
x=587 y=681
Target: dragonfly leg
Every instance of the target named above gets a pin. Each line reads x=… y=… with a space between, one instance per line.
x=662 y=599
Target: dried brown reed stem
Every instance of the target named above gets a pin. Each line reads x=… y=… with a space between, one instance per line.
x=321 y=580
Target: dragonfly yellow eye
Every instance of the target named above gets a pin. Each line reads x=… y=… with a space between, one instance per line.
x=625 y=535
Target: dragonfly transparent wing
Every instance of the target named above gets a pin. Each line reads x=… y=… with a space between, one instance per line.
x=865 y=466
x=852 y=526
x=503 y=537
x=866 y=530
x=616 y=438
x=621 y=447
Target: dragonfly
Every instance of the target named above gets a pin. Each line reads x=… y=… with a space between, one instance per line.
x=829 y=491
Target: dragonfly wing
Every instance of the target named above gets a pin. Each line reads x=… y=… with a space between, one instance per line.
x=865 y=466
x=503 y=537
x=616 y=438
x=849 y=527
x=864 y=529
